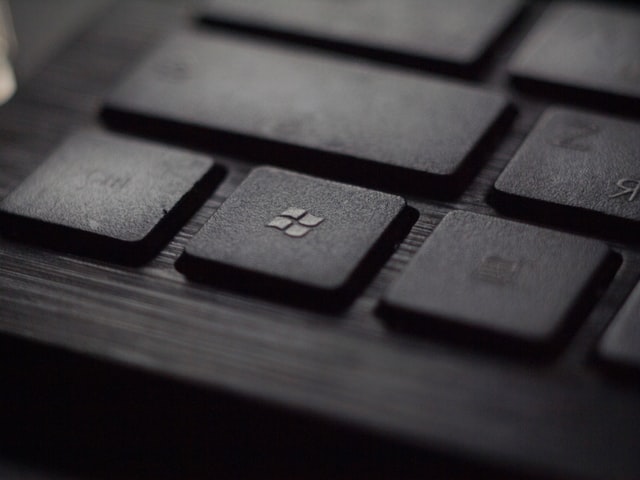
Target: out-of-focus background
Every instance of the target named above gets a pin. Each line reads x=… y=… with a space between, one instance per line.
x=43 y=26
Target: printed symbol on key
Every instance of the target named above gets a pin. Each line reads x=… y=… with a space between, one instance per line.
x=575 y=136
x=175 y=70
x=105 y=180
x=496 y=269
x=627 y=186
x=295 y=222
x=630 y=71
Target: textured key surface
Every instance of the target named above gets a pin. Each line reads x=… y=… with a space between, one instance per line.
x=359 y=112
x=107 y=196
x=587 y=47
x=621 y=342
x=271 y=363
x=502 y=277
x=284 y=226
x=576 y=159
x=455 y=31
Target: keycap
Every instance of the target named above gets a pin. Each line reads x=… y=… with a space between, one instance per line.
x=584 y=47
x=296 y=236
x=579 y=162
x=365 y=115
x=108 y=196
x=496 y=279
x=452 y=31
x=620 y=345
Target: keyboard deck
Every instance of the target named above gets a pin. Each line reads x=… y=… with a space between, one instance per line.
x=315 y=304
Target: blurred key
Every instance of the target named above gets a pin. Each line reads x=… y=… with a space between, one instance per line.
x=455 y=32
x=583 y=47
x=240 y=91
x=620 y=345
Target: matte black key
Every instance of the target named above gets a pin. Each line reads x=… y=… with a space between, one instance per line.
x=575 y=160
x=108 y=196
x=291 y=233
x=362 y=113
x=453 y=31
x=584 y=47
x=499 y=277
x=621 y=343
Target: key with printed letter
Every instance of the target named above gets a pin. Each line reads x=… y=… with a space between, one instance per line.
x=498 y=280
x=235 y=91
x=573 y=164
x=296 y=236
x=108 y=196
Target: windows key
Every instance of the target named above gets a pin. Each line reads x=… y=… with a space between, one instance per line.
x=297 y=237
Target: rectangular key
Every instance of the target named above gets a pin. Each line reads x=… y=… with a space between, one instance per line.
x=365 y=115
x=458 y=32
x=503 y=279
x=296 y=236
x=578 y=162
x=620 y=345
x=108 y=196
x=584 y=47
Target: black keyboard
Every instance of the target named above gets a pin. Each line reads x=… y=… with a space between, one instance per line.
x=326 y=239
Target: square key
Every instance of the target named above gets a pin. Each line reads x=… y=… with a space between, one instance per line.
x=583 y=47
x=290 y=232
x=576 y=161
x=108 y=196
x=502 y=278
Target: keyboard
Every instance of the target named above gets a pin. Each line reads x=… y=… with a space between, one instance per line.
x=325 y=239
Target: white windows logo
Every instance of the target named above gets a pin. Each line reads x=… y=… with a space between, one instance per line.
x=295 y=222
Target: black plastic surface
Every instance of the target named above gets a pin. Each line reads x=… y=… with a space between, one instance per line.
x=124 y=372
x=506 y=278
x=584 y=47
x=367 y=115
x=108 y=196
x=450 y=31
x=577 y=161
x=621 y=342
x=290 y=231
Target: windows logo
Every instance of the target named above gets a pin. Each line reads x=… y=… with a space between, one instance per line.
x=295 y=222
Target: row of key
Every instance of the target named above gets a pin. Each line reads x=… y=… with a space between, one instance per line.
x=121 y=199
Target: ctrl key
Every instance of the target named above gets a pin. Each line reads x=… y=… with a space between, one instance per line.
x=488 y=279
x=109 y=197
